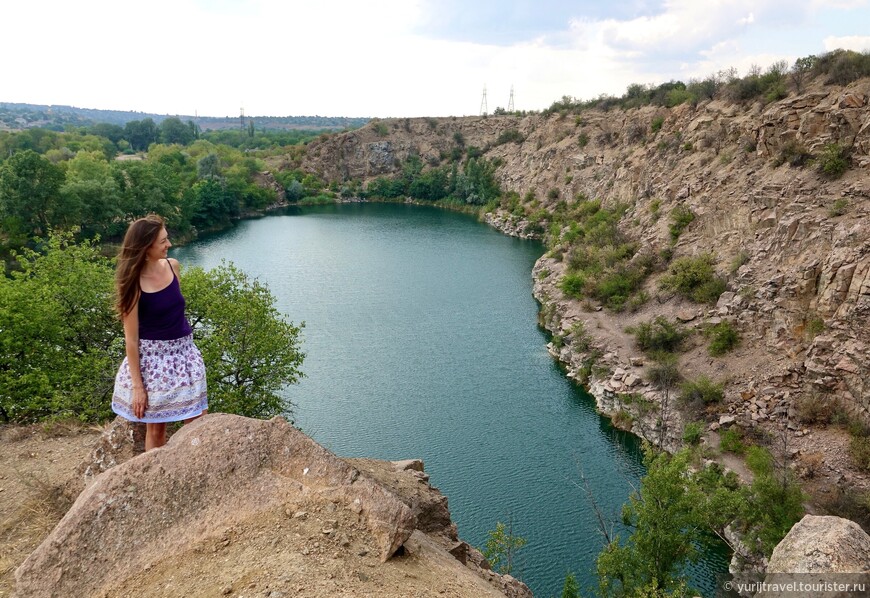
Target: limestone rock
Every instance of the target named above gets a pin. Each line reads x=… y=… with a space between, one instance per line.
x=822 y=544
x=219 y=471
x=817 y=550
x=120 y=441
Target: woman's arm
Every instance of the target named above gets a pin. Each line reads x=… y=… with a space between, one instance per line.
x=131 y=343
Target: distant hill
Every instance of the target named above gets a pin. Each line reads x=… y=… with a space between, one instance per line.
x=14 y=116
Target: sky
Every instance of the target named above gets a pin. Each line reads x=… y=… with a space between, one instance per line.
x=393 y=58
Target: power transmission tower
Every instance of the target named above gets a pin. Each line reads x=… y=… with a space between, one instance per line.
x=483 y=108
x=510 y=107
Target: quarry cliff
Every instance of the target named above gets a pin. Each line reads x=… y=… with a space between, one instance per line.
x=778 y=195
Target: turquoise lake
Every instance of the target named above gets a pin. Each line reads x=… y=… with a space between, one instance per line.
x=421 y=341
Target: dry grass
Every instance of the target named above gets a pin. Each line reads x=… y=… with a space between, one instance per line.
x=23 y=530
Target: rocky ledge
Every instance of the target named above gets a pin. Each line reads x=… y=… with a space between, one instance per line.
x=235 y=505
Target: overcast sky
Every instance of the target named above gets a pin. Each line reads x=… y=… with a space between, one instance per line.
x=392 y=57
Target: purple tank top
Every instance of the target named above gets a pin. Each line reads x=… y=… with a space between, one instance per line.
x=161 y=314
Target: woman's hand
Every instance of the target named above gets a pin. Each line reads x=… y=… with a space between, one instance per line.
x=140 y=401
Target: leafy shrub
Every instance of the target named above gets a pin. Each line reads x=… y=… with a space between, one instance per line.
x=701 y=392
x=692 y=433
x=741 y=258
x=510 y=135
x=694 y=278
x=572 y=285
x=815 y=408
x=658 y=335
x=553 y=194
x=731 y=441
x=381 y=129
x=656 y=124
x=681 y=217
x=583 y=140
x=663 y=372
x=839 y=208
x=859 y=444
x=623 y=420
x=723 y=338
x=813 y=326
x=833 y=161
x=842 y=66
x=774 y=502
x=794 y=154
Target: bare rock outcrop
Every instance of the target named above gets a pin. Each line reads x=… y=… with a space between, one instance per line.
x=212 y=475
x=120 y=441
x=820 y=550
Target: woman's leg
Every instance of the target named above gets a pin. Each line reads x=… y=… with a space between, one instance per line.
x=190 y=419
x=155 y=436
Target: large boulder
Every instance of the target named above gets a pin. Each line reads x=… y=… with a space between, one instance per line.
x=820 y=552
x=218 y=472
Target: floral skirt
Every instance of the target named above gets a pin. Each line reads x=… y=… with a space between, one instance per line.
x=174 y=376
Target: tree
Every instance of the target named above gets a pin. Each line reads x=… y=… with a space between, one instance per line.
x=30 y=195
x=148 y=187
x=141 y=133
x=92 y=190
x=670 y=514
x=61 y=342
x=801 y=71
x=212 y=203
x=172 y=130
x=250 y=351
x=774 y=502
x=501 y=547
x=571 y=589
x=665 y=521
x=209 y=166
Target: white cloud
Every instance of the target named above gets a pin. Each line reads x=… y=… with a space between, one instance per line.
x=342 y=57
x=858 y=43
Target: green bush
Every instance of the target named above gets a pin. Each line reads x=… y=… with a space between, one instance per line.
x=658 y=335
x=681 y=217
x=663 y=372
x=656 y=124
x=692 y=432
x=815 y=408
x=381 y=129
x=510 y=135
x=623 y=420
x=838 y=208
x=694 y=278
x=572 y=285
x=794 y=154
x=731 y=441
x=723 y=338
x=833 y=161
x=701 y=392
x=774 y=502
x=859 y=449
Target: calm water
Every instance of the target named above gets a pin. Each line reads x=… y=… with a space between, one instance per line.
x=422 y=342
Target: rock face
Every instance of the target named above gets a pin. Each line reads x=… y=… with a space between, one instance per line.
x=818 y=550
x=234 y=503
x=792 y=244
x=119 y=442
x=211 y=474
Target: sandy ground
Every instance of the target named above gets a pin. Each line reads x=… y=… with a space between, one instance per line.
x=311 y=550
x=35 y=463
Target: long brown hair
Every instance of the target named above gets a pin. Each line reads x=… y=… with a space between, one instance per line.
x=141 y=234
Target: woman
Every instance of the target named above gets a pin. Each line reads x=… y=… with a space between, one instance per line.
x=162 y=378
